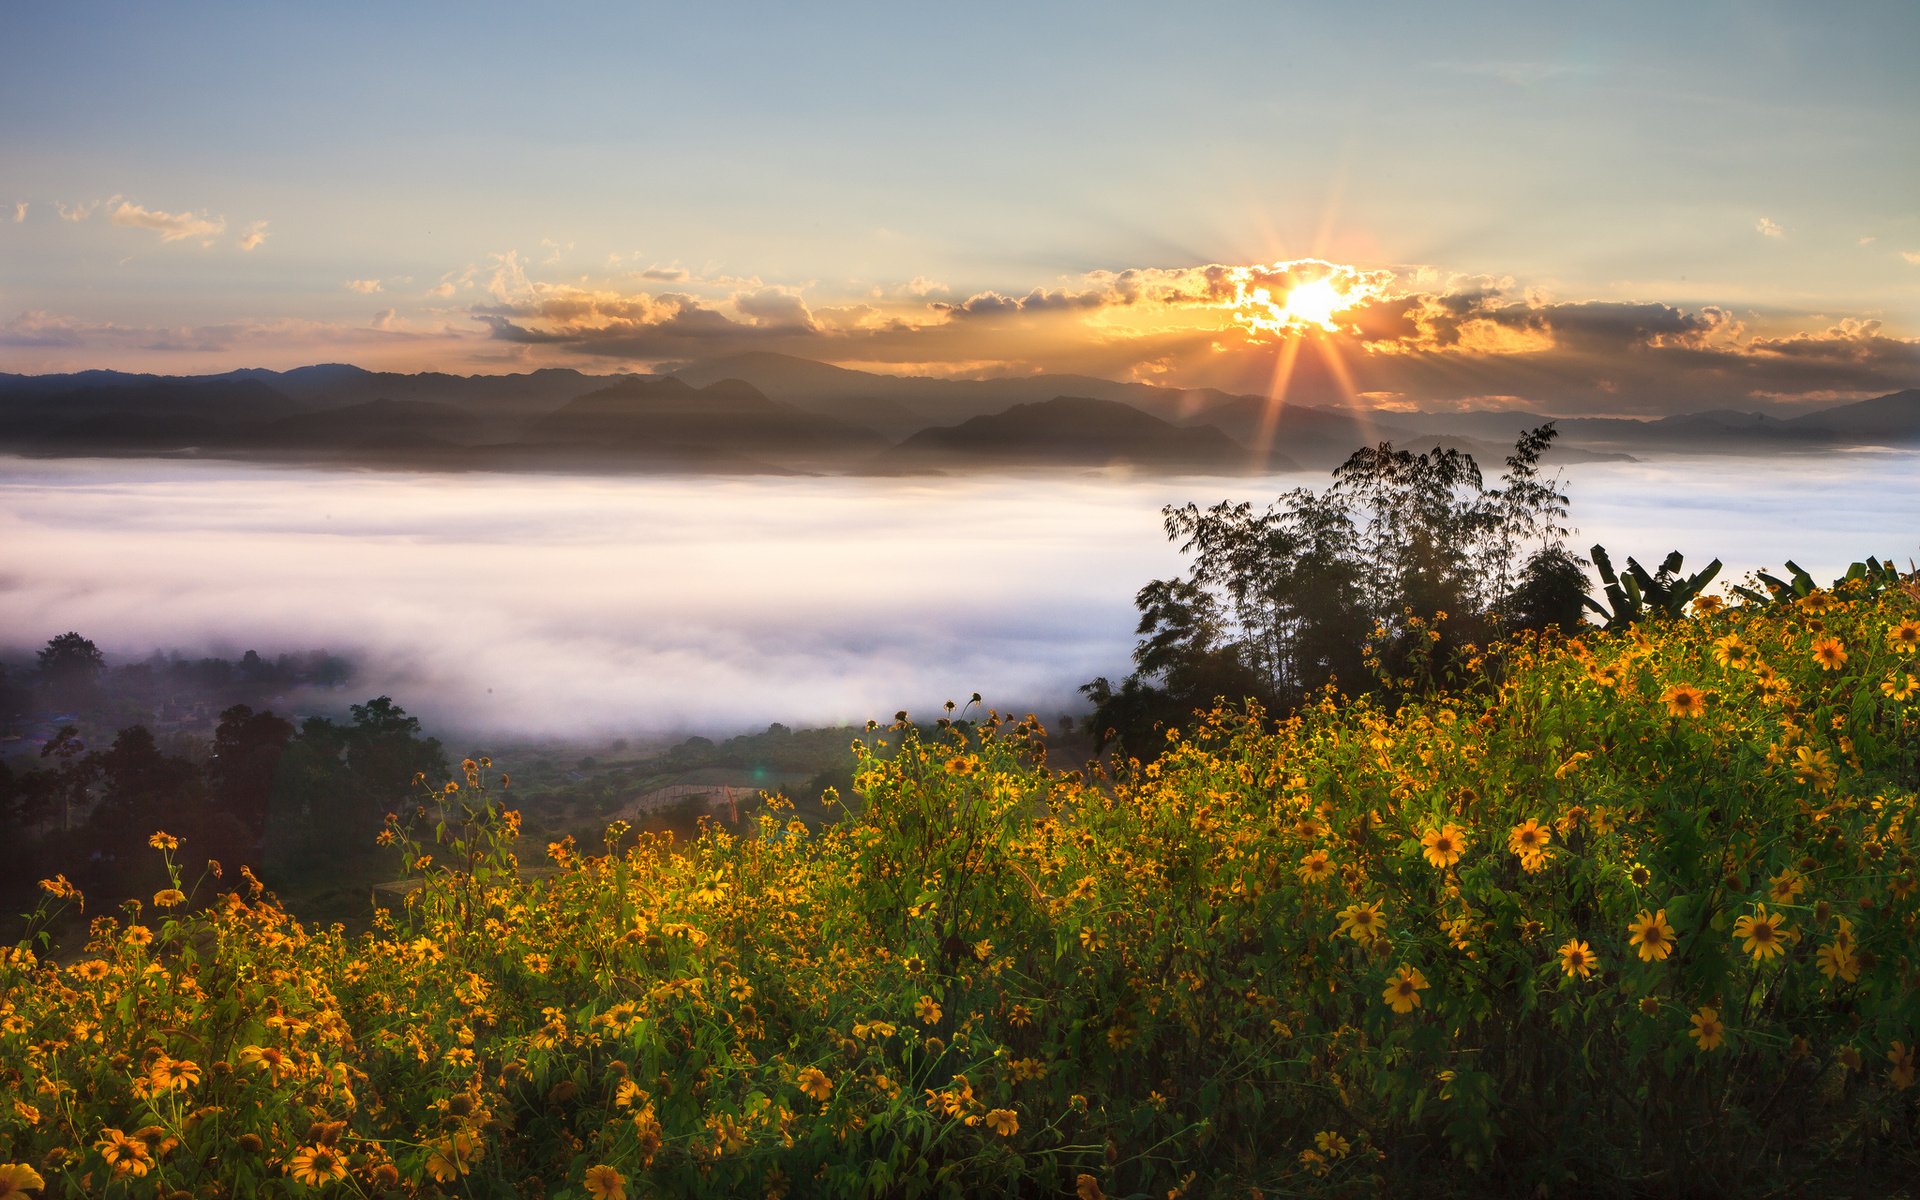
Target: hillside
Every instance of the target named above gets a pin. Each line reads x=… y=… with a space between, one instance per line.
x=667 y=416
x=1640 y=913
x=773 y=412
x=1073 y=431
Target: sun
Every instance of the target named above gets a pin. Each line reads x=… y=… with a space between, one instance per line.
x=1299 y=296
x=1315 y=303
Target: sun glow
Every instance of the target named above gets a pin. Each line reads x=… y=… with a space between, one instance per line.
x=1315 y=302
x=1299 y=296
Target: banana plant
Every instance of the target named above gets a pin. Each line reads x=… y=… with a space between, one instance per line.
x=1875 y=574
x=1638 y=594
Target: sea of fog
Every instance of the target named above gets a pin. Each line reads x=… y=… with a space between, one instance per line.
x=581 y=606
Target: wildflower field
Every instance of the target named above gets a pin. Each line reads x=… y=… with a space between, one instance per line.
x=1631 y=914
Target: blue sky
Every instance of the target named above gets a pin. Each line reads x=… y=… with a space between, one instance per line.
x=492 y=187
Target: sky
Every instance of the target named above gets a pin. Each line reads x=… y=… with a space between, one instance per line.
x=1621 y=209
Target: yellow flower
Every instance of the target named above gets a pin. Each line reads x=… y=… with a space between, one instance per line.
x=814 y=1082
x=453 y=1156
x=174 y=1074
x=1829 y=653
x=1837 y=959
x=728 y=1136
x=1730 y=651
x=1904 y=637
x=1707 y=1028
x=1403 y=990
x=1316 y=867
x=162 y=840
x=1814 y=767
x=1762 y=933
x=1528 y=838
x=604 y=1183
x=169 y=898
x=1901 y=689
x=17 y=1179
x=127 y=1156
x=1786 y=885
x=316 y=1166
x=1651 y=935
x=1332 y=1144
x=1901 y=1056
x=264 y=1058
x=1002 y=1121
x=1444 y=845
x=1683 y=700
x=1361 y=921
x=1086 y=1187
x=1578 y=959
x=926 y=1011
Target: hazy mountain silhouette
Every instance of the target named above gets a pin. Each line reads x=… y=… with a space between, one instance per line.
x=1893 y=418
x=904 y=403
x=103 y=411
x=757 y=412
x=657 y=414
x=1075 y=431
x=383 y=424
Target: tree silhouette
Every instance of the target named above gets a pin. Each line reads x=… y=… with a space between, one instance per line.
x=69 y=668
x=1409 y=556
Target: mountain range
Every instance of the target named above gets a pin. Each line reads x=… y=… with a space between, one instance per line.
x=775 y=413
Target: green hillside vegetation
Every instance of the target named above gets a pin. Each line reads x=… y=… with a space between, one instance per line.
x=1636 y=916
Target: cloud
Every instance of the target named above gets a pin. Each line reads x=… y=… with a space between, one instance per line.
x=366 y=287
x=253 y=235
x=673 y=274
x=78 y=212
x=20 y=212
x=386 y=320
x=1912 y=256
x=64 y=342
x=1768 y=227
x=172 y=227
x=443 y=289
x=773 y=308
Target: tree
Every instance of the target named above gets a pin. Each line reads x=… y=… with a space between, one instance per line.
x=334 y=784
x=1551 y=593
x=69 y=669
x=1281 y=603
x=142 y=790
x=247 y=748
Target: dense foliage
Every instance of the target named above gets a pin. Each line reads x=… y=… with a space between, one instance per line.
x=260 y=794
x=1341 y=586
x=1637 y=916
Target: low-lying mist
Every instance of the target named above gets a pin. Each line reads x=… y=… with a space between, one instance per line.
x=575 y=607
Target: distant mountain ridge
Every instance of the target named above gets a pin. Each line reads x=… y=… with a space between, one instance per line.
x=1078 y=431
x=772 y=412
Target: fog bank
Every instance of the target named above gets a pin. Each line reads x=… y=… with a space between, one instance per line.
x=574 y=606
